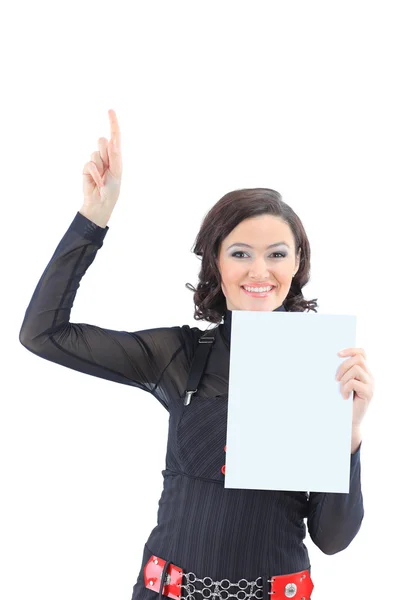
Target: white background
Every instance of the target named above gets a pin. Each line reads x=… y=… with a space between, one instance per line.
x=211 y=96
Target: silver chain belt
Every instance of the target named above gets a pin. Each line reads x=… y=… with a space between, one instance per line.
x=221 y=588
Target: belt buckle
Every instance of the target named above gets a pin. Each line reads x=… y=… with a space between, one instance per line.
x=294 y=585
x=173 y=578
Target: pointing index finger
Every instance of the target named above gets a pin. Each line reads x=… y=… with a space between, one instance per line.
x=114 y=127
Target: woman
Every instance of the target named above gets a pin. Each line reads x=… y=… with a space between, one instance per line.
x=209 y=540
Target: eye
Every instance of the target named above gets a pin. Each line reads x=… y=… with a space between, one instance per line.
x=238 y=252
x=282 y=254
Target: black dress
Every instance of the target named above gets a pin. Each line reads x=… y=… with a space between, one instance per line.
x=201 y=526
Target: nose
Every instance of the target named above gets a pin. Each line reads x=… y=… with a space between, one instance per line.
x=259 y=270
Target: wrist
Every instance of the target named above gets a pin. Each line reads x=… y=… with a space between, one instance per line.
x=98 y=219
x=356 y=438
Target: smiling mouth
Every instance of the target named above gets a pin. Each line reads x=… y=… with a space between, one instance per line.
x=258 y=294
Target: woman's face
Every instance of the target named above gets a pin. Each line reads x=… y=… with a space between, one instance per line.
x=245 y=258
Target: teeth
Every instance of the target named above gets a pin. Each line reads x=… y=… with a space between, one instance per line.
x=254 y=289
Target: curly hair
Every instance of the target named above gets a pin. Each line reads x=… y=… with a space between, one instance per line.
x=221 y=219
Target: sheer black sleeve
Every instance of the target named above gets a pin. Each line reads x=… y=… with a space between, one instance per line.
x=153 y=360
x=334 y=519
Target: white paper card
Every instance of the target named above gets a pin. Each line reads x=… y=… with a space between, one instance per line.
x=289 y=427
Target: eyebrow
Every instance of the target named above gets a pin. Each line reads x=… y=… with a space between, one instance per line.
x=270 y=246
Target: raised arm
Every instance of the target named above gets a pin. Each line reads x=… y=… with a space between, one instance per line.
x=140 y=358
x=143 y=358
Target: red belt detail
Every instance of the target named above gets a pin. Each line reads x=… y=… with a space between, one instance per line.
x=293 y=585
x=152 y=577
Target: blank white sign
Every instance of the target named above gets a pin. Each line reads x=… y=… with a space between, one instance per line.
x=289 y=427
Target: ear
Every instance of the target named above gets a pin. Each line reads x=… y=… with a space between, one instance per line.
x=298 y=257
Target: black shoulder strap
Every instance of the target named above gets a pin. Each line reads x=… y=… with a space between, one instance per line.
x=199 y=363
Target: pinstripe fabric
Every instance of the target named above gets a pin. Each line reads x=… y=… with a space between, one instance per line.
x=201 y=526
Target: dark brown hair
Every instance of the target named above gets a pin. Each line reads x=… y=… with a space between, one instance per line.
x=225 y=215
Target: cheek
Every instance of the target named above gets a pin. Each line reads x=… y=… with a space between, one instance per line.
x=233 y=274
